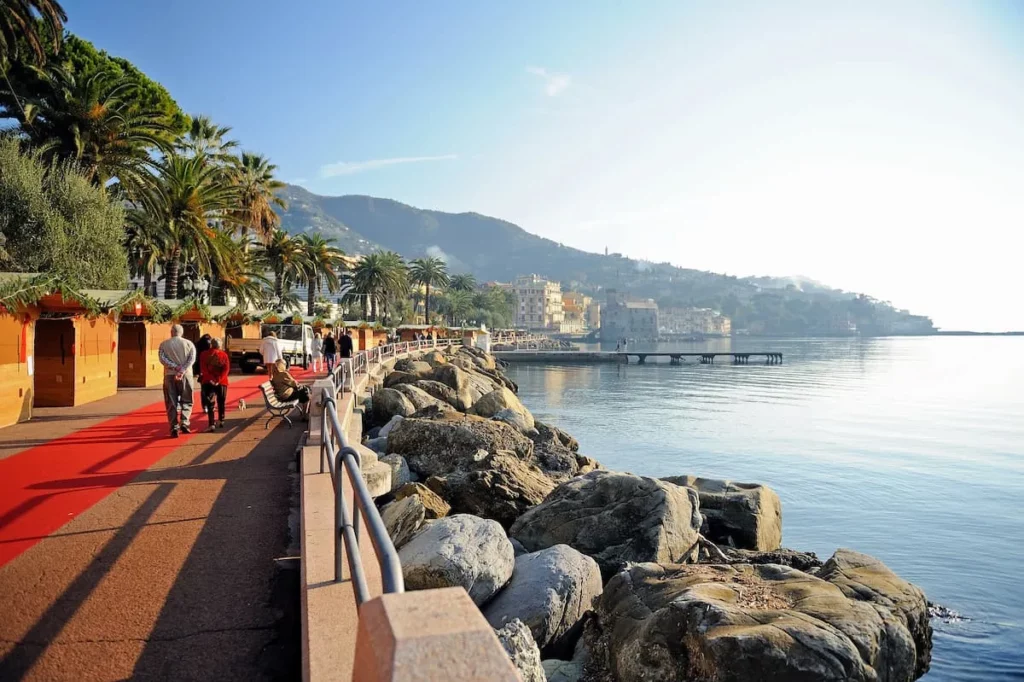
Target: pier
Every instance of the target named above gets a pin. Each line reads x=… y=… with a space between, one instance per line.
x=675 y=357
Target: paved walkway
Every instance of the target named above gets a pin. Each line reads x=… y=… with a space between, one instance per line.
x=124 y=553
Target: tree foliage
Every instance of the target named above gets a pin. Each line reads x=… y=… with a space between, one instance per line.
x=54 y=220
x=20 y=29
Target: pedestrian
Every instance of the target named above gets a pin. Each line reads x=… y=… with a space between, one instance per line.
x=330 y=350
x=317 y=350
x=346 y=344
x=270 y=350
x=213 y=377
x=177 y=355
x=202 y=345
x=287 y=388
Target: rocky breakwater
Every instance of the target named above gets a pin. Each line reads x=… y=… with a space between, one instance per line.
x=589 y=574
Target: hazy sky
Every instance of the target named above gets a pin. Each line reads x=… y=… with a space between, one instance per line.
x=877 y=147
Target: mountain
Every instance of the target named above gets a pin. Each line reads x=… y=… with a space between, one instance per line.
x=494 y=249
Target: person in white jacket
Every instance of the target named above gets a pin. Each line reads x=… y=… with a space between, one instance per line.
x=270 y=350
x=317 y=351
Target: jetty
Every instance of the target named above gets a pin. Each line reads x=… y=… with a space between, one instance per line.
x=623 y=357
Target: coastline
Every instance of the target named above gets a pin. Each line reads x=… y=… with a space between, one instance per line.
x=486 y=463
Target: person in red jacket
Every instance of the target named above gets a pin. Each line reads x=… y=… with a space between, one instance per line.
x=214 y=365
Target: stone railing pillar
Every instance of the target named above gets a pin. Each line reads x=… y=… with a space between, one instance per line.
x=428 y=635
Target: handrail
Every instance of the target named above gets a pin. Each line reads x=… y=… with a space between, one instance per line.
x=344 y=372
x=342 y=458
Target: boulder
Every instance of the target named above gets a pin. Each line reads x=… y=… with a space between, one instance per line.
x=517 y=547
x=518 y=643
x=403 y=518
x=749 y=622
x=417 y=367
x=615 y=518
x=396 y=378
x=378 y=444
x=547 y=433
x=498 y=400
x=743 y=515
x=420 y=399
x=513 y=418
x=434 y=506
x=400 y=474
x=500 y=487
x=479 y=357
x=550 y=591
x=808 y=562
x=388 y=402
x=392 y=423
x=440 y=391
x=435 y=447
x=432 y=412
x=458 y=380
x=434 y=358
x=459 y=551
x=864 y=578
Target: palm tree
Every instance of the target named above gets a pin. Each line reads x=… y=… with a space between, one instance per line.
x=237 y=272
x=206 y=138
x=185 y=197
x=253 y=174
x=378 y=276
x=18 y=20
x=286 y=258
x=93 y=122
x=428 y=272
x=146 y=244
x=323 y=263
x=463 y=282
x=458 y=305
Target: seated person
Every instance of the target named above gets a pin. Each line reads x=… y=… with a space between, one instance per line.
x=286 y=387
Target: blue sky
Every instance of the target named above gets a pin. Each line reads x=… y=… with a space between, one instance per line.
x=875 y=146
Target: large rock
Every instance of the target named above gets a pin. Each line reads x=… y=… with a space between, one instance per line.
x=420 y=399
x=387 y=428
x=403 y=518
x=400 y=474
x=387 y=402
x=550 y=591
x=434 y=358
x=460 y=550
x=502 y=399
x=744 y=515
x=513 y=418
x=547 y=433
x=515 y=638
x=396 y=378
x=865 y=578
x=417 y=367
x=435 y=507
x=807 y=562
x=556 y=670
x=615 y=518
x=500 y=487
x=435 y=447
x=440 y=391
x=751 y=622
x=458 y=380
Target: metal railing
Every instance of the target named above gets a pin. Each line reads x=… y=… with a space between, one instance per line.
x=341 y=459
x=344 y=372
x=344 y=460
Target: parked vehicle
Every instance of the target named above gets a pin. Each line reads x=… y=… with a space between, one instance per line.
x=294 y=340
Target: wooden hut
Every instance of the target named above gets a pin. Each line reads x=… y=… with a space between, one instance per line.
x=142 y=326
x=17 y=341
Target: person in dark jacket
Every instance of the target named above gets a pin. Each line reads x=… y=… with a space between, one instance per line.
x=330 y=351
x=346 y=344
x=202 y=345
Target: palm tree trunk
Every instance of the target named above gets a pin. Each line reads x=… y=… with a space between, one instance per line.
x=311 y=296
x=173 y=269
x=147 y=280
x=278 y=283
x=426 y=306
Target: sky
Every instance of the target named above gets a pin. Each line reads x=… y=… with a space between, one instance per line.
x=877 y=147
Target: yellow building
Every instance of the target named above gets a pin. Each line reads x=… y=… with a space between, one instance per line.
x=540 y=303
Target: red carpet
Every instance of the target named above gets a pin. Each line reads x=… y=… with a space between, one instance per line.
x=46 y=486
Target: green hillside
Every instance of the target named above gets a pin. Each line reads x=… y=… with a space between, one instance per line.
x=494 y=249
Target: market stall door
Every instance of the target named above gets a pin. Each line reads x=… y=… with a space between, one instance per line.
x=54 y=363
x=131 y=354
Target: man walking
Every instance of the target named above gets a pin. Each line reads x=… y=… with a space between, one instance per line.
x=270 y=350
x=346 y=344
x=177 y=355
x=330 y=350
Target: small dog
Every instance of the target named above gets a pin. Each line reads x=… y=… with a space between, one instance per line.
x=241 y=405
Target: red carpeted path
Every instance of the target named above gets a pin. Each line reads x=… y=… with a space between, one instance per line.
x=35 y=496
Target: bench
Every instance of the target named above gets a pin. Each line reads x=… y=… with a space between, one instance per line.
x=277 y=408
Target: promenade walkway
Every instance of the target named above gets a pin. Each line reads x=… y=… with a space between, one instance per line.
x=124 y=553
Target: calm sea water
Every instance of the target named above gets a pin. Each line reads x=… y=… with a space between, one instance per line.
x=909 y=449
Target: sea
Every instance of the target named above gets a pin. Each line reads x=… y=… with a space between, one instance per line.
x=910 y=449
